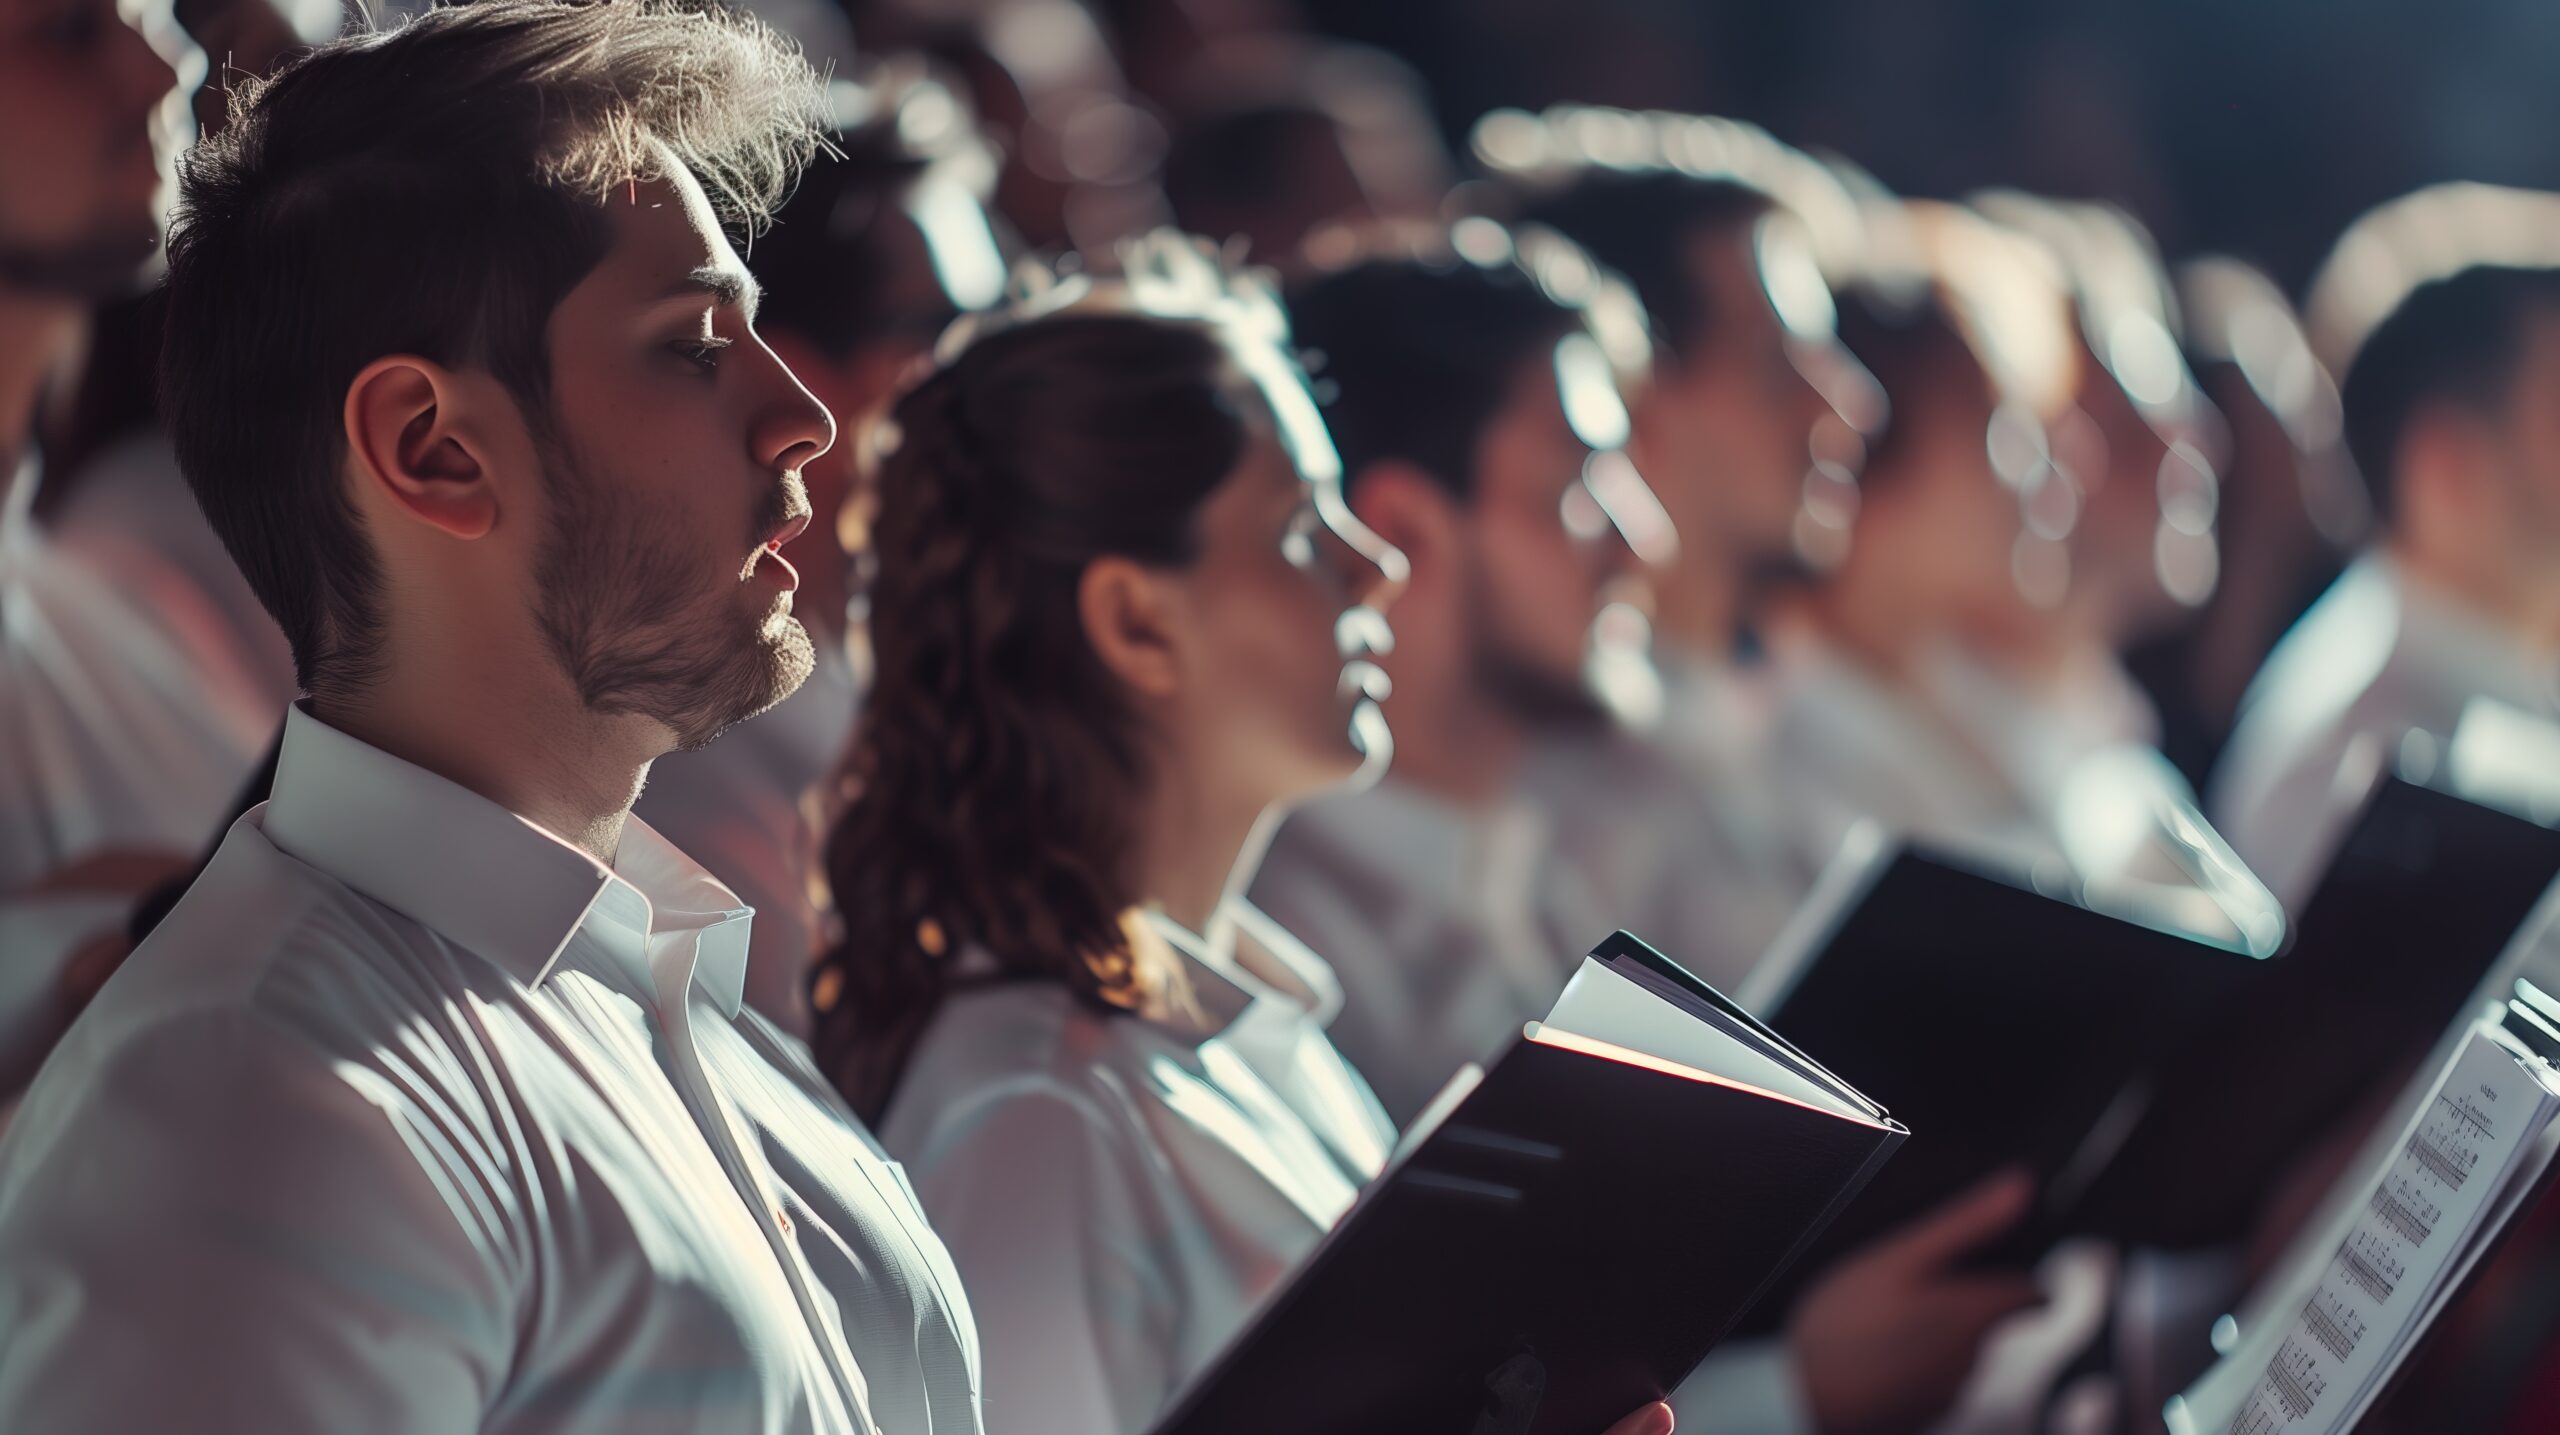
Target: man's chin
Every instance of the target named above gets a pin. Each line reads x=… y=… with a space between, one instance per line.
x=788 y=659
x=793 y=655
x=1540 y=698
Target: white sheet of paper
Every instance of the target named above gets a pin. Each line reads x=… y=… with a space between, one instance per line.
x=1604 y=1006
x=2417 y=1223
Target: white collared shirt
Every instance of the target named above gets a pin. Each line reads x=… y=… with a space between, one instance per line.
x=1848 y=748
x=413 y=1118
x=1678 y=829
x=1119 y=1192
x=1447 y=930
x=2378 y=657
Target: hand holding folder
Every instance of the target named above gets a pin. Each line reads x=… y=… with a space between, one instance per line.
x=1886 y=1339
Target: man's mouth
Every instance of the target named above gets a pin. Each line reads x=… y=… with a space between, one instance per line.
x=790 y=528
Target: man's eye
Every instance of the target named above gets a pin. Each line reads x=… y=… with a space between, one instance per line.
x=703 y=354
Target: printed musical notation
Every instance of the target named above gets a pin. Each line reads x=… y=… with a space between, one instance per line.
x=2414 y=1218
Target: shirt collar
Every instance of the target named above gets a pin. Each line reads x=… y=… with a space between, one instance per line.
x=487 y=879
x=2461 y=650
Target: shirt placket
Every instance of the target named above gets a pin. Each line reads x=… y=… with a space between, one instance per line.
x=672 y=956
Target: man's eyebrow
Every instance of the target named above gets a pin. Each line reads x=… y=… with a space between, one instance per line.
x=735 y=288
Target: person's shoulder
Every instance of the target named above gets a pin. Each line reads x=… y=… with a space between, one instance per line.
x=2321 y=693
x=278 y=1034
x=271 y=983
x=1006 y=1047
x=2329 y=662
x=262 y=933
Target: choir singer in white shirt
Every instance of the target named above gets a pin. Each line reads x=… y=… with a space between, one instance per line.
x=2449 y=415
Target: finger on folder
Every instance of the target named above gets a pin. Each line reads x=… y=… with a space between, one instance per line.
x=1654 y=1419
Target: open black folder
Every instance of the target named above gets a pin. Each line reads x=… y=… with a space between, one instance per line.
x=1566 y=1239
x=2391 y=948
x=2012 y=1027
x=2160 y=1085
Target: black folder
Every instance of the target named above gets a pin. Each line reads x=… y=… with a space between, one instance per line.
x=2422 y=896
x=2009 y=1026
x=1566 y=1244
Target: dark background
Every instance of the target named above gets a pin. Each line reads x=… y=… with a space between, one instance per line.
x=2256 y=127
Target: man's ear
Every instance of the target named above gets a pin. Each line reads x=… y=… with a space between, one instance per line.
x=1406 y=506
x=1128 y=614
x=406 y=440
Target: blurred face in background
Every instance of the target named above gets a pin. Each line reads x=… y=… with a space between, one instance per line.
x=1277 y=622
x=1936 y=526
x=88 y=126
x=1546 y=552
x=1728 y=432
x=2127 y=581
x=2516 y=517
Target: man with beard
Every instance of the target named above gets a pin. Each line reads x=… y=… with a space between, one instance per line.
x=1479 y=422
x=432 y=1106
x=877 y=251
x=121 y=739
x=1473 y=412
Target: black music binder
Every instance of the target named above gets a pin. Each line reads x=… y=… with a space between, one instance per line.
x=2422 y=896
x=2009 y=1026
x=1571 y=1237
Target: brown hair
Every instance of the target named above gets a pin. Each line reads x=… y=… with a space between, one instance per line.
x=432 y=189
x=996 y=768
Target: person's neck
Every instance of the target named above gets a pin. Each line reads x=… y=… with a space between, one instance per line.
x=571 y=772
x=1198 y=847
x=1452 y=740
x=1699 y=605
x=2527 y=605
x=2039 y=655
x=1864 y=624
x=34 y=333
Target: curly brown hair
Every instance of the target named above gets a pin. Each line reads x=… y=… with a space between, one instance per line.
x=995 y=774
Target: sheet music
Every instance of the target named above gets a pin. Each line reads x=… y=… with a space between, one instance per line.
x=2414 y=1225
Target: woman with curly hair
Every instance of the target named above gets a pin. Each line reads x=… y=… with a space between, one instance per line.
x=1120 y=613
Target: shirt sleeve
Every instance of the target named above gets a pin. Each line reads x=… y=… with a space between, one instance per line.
x=1041 y=1204
x=1746 y=1388
x=224 y=1229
